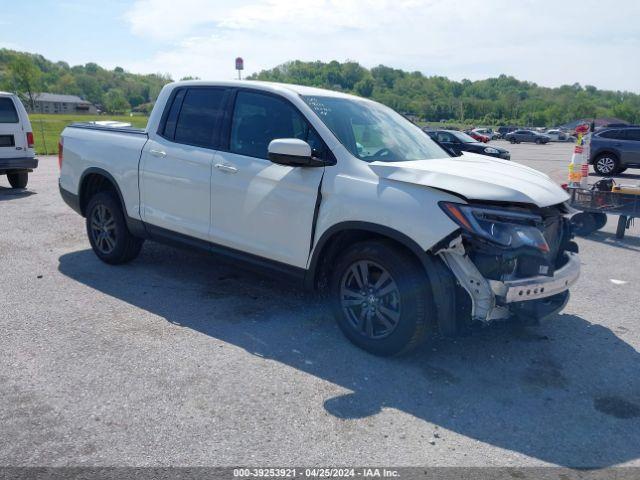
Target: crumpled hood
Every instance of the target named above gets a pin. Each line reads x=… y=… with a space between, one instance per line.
x=477 y=177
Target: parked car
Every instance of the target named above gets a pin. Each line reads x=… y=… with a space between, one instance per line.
x=613 y=151
x=502 y=131
x=559 y=136
x=477 y=136
x=487 y=132
x=527 y=136
x=336 y=192
x=17 y=156
x=459 y=142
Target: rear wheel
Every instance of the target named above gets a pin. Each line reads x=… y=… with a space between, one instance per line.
x=107 y=230
x=606 y=164
x=381 y=298
x=18 y=180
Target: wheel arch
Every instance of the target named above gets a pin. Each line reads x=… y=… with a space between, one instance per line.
x=604 y=151
x=336 y=238
x=94 y=180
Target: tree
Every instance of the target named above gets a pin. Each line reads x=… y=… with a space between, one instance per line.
x=116 y=102
x=365 y=86
x=25 y=77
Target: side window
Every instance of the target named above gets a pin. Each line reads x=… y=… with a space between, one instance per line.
x=202 y=108
x=633 y=134
x=8 y=112
x=614 y=134
x=445 y=137
x=259 y=118
x=169 y=130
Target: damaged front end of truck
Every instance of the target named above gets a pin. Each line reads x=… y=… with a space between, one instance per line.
x=511 y=260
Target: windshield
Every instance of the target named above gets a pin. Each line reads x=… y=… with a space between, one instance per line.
x=371 y=131
x=464 y=138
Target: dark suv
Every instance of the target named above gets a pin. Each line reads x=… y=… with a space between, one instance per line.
x=614 y=150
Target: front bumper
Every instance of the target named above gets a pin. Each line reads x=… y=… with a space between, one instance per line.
x=19 y=163
x=496 y=300
x=541 y=286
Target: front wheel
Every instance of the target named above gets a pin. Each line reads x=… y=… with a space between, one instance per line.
x=539 y=141
x=18 y=180
x=381 y=298
x=107 y=230
x=512 y=140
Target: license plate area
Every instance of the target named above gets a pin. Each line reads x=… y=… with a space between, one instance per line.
x=7 y=141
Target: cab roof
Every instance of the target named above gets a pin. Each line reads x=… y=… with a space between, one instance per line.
x=269 y=87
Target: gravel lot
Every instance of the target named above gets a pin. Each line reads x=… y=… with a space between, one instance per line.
x=179 y=359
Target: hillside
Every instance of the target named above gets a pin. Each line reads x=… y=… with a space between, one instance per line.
x=114 y=90
x=492 y=101
x=501 y=100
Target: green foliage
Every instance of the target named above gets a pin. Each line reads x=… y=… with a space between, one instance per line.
x=494 y=101
x=24 y=76
x=115 y=101
x=25 y=72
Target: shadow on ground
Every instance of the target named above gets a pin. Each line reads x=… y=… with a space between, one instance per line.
x=14 y=193
x=566 y=392
x=631 y=241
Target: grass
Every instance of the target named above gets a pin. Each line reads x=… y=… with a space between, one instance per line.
x=47 y=127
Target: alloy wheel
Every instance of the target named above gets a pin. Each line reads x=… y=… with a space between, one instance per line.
x=370 y=298
x=103 y=229
x=606 y=164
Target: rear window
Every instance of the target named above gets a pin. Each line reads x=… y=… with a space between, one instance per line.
x=8 y=113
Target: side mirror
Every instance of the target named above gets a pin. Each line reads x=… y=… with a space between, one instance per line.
x=292 y=152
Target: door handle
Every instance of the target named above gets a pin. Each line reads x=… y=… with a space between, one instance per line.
x=226 y=168
x=158 y=153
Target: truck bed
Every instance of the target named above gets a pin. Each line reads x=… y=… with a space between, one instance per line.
x=114 y=151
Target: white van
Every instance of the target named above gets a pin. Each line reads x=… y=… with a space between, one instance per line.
x=17 y=156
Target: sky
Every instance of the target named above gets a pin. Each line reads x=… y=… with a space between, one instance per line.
x=593 y=42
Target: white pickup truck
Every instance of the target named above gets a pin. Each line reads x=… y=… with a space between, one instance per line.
x=339 y=193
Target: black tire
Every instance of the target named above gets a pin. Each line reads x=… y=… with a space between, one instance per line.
x=583 y=224
x=539 y=141
x=606 y=164
x=512 y=140
x=600 y=220
x=18 y=180
x=110 y=238
x=398 y=320
x=622 y=226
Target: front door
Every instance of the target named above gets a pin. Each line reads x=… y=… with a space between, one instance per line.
x=257 y=206
x=175 y=167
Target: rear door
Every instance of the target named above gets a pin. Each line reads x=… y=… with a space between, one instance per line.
x=631 y=147
x=257 y=206
x=13 y=139
x=176 y=162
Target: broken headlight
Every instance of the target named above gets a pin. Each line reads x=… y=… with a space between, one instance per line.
x=506 y=228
